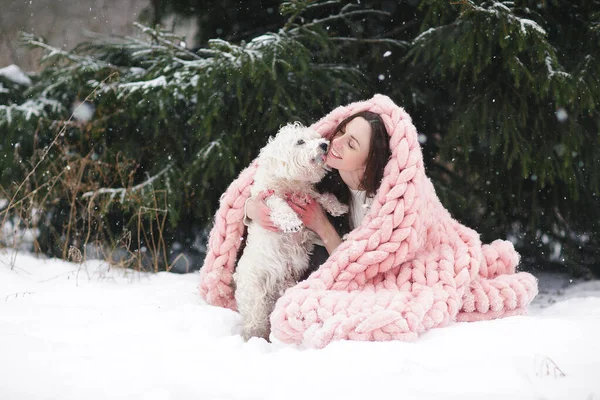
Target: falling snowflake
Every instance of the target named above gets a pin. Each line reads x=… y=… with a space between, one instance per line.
x=83 y=111
x=561 y=115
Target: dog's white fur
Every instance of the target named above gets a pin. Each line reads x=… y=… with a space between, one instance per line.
x=290 y=163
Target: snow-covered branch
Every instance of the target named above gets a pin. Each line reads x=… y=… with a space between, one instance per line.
x=15 y=74
x=399 y=43
x=164 y=38
x=552 y=71
x=161 y=81
x=52 y=52
x=28 y=109
x=123 y=191
x=436 y=30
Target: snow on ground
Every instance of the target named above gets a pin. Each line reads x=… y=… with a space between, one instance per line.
x=91 y=332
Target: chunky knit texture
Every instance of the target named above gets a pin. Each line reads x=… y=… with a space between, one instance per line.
x=408 y=268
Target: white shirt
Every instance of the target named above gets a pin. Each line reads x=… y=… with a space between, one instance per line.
x=360 y=205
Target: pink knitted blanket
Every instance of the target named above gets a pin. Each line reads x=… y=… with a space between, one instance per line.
x=408 y=268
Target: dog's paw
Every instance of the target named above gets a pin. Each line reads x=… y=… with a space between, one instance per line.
x=339 y=209
x=288 y=221
x=292 y=228
x=259 y=332
x=331 y=204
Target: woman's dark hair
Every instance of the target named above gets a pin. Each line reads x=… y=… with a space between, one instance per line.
x=379 y=151
x=377 y=159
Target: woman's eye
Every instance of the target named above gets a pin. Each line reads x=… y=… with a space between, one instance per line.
x=300 y=142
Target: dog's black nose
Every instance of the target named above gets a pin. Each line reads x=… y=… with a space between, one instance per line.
x=324 y=146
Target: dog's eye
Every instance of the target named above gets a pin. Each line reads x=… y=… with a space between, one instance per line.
x=300 y=142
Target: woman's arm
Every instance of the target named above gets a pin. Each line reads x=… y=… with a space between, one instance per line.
x=329 y=236
x=314 y=218
x=257 y=210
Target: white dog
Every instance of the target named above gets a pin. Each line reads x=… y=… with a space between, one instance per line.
x=291 y=163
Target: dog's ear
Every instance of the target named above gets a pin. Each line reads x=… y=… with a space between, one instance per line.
x=290 y=130
x=270 y=161
x=266 y=150
x=277 y=145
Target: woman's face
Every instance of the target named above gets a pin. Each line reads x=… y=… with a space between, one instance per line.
x=350 y=147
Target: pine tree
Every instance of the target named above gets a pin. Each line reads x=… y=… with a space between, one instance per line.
x=517 y=109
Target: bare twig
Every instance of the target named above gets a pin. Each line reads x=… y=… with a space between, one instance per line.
x=342 y=15
x=16 y=295
x=547 y=367
x=187 y=262
x=73 y=209
x=160 y=38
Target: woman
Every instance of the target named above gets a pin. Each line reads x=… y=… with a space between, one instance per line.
x=358 y=154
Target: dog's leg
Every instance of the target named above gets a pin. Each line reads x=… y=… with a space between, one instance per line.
x=259 y=324
x=251 y=300
x=283 y=216
x=258 y=280
x=256 y=310
x=331 y=204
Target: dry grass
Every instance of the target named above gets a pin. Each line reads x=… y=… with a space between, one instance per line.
x=78 y=184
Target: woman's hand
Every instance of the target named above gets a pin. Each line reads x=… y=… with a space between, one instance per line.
x=258 y=211
x=313 y=217
x=312 y=214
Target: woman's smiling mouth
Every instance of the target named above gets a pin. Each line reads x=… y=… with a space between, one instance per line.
x=334 y=153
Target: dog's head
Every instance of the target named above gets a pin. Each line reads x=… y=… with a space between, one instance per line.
x=296 y=153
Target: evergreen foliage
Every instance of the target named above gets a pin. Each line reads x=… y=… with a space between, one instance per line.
x=505 y=95
x=520 y=119
x=201 y=115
